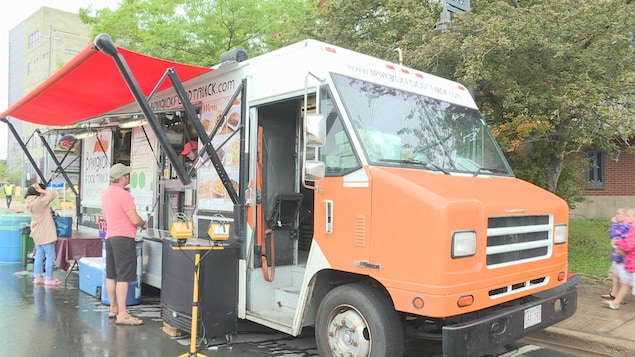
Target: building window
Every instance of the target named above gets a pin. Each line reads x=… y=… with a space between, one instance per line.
x=29 y=69
x=71 y=52
x=34 y=38
x=595 y=173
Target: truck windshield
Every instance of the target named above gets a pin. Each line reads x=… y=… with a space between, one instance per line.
x=399 y=128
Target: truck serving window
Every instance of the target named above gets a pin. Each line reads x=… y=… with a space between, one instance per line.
x=399 y=128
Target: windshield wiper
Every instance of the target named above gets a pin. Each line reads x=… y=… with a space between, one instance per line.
x=490 y=170
x=428 y=165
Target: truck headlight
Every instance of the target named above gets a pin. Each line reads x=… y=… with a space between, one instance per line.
x=560 y=234
x=463 y=244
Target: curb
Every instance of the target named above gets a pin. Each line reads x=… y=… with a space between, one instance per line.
x=587 y=341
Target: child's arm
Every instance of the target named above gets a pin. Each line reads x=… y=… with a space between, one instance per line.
x=627 y=244
x=624 y=228
x=614 y=230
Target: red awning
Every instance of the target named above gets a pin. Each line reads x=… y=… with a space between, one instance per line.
x=91 y=85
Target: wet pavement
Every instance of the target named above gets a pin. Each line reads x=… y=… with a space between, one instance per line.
x=64 y=321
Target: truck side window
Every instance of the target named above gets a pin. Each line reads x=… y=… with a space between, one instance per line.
x=337 y=153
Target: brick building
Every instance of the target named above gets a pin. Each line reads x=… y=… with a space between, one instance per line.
x=609 y=185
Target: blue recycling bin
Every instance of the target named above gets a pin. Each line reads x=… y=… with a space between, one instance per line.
x=11 y=237
x=134 y=287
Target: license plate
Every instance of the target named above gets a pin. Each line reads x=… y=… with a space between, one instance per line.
x=533 y=316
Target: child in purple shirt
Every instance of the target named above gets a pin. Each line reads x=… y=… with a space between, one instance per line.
x=618 y=230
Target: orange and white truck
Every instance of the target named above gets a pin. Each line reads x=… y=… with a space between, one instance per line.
x=369 y=201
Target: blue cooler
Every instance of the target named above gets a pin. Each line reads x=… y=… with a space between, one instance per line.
x=134 y=289
x=11 y=237
x=90 y=276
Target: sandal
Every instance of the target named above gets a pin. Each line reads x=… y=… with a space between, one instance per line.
x=610 y=305
x=112 y=315
x=38 y=280
x=128 y=320
x=52 y=282
x=608 y=297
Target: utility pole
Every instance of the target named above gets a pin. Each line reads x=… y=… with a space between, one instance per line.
x=51 y=38
x=450 y=7
x=50 y=49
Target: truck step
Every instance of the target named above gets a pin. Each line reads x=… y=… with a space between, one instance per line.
x=276 y=319
x=287 y=298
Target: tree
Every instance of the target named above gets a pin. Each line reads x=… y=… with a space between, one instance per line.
x=376 y=28
x=13 y=173
x=552 y=77
x=3 y=170
x=196 y=31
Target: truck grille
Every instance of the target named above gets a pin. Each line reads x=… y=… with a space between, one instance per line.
x=518 y=239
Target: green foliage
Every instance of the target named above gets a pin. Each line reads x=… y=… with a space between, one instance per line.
x=11 y=173
x=376 y=28
x=3 y=169
x=567 y=63
x=589 y=247
x=197 y=31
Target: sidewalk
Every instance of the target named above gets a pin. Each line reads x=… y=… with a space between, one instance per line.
x=594 y=326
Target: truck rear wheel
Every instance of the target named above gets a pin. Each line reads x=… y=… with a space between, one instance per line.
x=356 y=320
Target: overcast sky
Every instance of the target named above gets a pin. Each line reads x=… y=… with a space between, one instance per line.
x=10 y=19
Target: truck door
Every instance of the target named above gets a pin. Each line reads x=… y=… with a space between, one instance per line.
x=343 y=200
x=281 y=198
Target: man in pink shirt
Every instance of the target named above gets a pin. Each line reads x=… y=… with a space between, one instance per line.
x=121 y=254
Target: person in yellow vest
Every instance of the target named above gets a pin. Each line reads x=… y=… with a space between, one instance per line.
x=8 y=193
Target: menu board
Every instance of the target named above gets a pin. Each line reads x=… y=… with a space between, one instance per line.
x=144 y=167
x=96 y=159
x=212 y=195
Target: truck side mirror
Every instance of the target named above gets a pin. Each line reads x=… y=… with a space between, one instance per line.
x=315 y=130
x=314 y=170
x=314 y=137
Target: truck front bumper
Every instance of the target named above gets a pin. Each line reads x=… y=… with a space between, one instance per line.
x=511 y=323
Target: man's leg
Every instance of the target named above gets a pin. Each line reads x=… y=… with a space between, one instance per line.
x=112 y=295
x=122 y=294
x=111 y=275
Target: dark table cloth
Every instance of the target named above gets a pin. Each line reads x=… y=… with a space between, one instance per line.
x=79 y=245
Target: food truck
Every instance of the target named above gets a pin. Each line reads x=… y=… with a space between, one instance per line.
x=360 y=197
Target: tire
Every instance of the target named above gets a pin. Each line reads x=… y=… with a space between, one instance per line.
x=356 y=320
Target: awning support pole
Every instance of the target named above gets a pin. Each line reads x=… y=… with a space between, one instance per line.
x=237 y=197
x=191 y=114
x=62 y=171
x=104 y=43
x=24 y=149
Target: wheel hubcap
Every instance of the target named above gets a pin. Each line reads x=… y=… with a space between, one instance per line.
x=348 y=333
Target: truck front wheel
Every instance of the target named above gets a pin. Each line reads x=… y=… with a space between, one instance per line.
x=357 y=320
